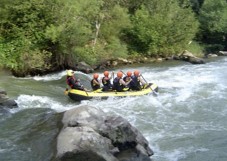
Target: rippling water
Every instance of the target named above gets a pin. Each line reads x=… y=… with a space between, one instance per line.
x=187 y=121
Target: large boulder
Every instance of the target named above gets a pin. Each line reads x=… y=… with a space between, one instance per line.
x=222 y=53
x=90 y=134
x=111 y=63
x=189 y=57
x=84 y=67
x=5 y=101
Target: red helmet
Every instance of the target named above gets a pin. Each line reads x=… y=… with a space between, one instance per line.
x=136 y=73
x=106 y=73
x=119 y=74
x=129 y=74
x=95 y=76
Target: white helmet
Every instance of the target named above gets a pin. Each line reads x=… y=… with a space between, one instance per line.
x=70 y=72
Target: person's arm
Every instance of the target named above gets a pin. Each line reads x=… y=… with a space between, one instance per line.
x=76 y=84
x=107 y=78
x=77 y=80
x=142 y=81
x=124 y=83
x=96 y=82
x=71 y=81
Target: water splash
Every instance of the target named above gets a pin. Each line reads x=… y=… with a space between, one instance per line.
x=32 y=101
x=59 y=75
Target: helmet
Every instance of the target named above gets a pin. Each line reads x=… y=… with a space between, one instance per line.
x=129 y=74
x=119 y=74
x=95 y=76
x=136 y=73
x=106 y=73
x=70 y=72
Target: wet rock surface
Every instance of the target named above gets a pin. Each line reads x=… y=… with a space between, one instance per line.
x=92 y=135
x=5 y=101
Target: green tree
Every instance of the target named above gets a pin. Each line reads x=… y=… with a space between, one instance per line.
x=114 y=22
x=57 y=34
x=71 y=31
x=162 y=28
x=194 y=4
x=213 y=24
x=22 y=36
x=106 y=28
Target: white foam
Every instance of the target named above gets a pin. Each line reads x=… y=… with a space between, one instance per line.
x=32 y=101
x=55 y=76
x=49 y=77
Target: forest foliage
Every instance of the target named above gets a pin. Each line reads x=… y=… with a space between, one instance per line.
x=42 y=35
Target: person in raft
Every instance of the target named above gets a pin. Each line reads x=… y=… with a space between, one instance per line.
x=106 y=82
x=137 y=81
x=95 y=82
x=73 y=82
x=119 y=84
x=127 y=78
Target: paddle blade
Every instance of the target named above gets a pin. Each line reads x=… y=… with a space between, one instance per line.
x=66 y=91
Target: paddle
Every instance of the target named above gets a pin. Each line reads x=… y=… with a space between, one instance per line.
x=86 y=92
x=144 y=78
x=113 y=75
x=66 y=91
x=148 y=84
x=82 y=88
x=123 y=72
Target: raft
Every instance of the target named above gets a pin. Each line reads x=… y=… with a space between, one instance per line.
x=79 y=95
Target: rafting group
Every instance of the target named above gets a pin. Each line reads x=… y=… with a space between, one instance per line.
x=131 y=81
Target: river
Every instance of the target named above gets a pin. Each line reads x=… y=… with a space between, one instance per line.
x=186 y=121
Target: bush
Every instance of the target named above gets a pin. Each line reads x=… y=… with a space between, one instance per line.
x=196 y=48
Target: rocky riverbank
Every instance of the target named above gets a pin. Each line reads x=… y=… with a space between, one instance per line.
x=117 y=62
x=184 y=56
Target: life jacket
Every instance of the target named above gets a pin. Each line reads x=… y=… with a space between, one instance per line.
x=93 y=85
x=126 y=78
x=117 y=85
x=68 y=81
x=106 y=82
x=135 y=83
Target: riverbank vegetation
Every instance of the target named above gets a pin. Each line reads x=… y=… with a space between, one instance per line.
x=49 y=35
